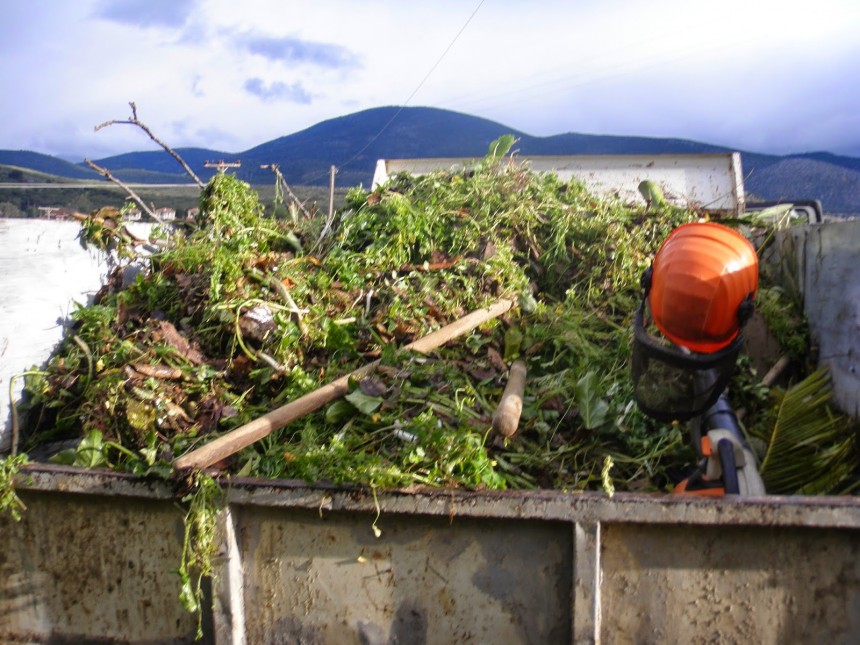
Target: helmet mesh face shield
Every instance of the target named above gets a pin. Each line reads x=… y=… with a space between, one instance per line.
x=672 y=383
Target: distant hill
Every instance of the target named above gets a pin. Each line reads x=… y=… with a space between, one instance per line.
x=157 y=166
x=837 y=187
x=46 y=164
x=354 y=143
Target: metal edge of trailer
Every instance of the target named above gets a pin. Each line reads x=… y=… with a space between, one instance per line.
x=540 y=505
x=709 y=181
x=301 y=562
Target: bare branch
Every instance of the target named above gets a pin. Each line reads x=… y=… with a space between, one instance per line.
x=107 y=175
x=135 y=121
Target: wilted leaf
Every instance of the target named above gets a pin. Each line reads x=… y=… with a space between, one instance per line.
x=372 y=387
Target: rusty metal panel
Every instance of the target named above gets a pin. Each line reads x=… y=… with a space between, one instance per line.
x=698 y=584
x=328 y=579
x=92 y=568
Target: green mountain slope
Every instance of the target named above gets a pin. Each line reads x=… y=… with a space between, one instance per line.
x=353 y=143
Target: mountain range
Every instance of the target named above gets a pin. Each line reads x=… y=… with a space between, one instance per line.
x=353 y=143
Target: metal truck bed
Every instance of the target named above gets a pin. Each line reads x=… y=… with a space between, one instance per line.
x=92 y=561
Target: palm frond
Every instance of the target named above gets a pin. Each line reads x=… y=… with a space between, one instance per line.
x=810 y=448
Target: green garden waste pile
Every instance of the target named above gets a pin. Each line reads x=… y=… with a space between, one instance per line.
x=238 y=313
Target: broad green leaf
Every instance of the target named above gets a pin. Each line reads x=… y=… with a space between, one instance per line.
x=593 y=410
x=64 y=457
x=339 y=411
x=365 y=404
x=90 y=452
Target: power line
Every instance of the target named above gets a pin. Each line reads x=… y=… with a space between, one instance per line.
x=582 y=78
x=417 y=89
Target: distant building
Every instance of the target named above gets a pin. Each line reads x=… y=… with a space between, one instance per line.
x=54 y=212
x=132 y=215
x=166 y=214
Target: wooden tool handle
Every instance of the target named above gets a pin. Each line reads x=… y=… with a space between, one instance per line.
x=253 y=431
x=507 y=416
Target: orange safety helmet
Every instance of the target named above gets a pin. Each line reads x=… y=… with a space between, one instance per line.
x=700 y=292
x=702 y=284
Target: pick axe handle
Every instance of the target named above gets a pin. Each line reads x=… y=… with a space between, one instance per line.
x=253 y=431
x=507 y=416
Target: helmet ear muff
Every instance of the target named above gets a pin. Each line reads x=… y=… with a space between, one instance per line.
x=746 y=309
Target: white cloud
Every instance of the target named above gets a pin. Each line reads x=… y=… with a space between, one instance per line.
x=278 y=91
x=769 y=76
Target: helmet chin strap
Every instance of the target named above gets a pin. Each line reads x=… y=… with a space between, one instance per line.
x=645 y=280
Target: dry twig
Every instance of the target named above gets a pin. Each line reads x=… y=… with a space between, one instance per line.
x=135 y=121
x=107 y=175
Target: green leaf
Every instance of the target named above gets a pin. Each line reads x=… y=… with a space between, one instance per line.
x=90 y=452
x=187 y=596
x=293 y=241
x=513 y=343
x=339 y=411
x=9 y=501
x=64 y=457
x=527 y=302
x=500 y=147
x=365 y=404
x=593 y=410
x=652 y=193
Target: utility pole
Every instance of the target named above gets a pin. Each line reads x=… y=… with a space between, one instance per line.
x=331 y=193
x=223 y=165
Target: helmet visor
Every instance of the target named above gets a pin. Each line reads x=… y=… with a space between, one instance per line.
x=671 y=382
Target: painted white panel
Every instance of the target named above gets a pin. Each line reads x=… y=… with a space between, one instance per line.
x=713 y=182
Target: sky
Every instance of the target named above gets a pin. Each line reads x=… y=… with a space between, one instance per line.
x=754 y=75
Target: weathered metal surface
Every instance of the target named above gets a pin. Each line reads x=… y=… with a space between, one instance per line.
x=95 y=554
x=713 y=182
x=821 y=262
x=92 y=568
x=424 y=580
x=731 y=584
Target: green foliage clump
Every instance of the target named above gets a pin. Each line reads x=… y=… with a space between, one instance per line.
x=810 y=450
x=10 y=503
x=785 y=320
